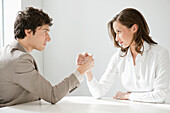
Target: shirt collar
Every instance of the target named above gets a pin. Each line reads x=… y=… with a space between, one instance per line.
x=145 y=46
x=17 y=45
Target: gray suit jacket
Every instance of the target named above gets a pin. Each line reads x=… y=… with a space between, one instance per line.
x=21 y=82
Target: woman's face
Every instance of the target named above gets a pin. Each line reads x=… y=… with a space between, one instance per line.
x=124 y=35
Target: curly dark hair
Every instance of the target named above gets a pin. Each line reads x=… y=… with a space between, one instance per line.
x=30 y=18
x=128 y=17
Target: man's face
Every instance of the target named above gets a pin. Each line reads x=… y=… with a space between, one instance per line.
x=40 y=38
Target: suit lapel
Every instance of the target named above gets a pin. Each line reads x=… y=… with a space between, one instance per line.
x=35 y=64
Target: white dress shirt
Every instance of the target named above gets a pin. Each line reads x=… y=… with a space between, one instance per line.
x=147 y=81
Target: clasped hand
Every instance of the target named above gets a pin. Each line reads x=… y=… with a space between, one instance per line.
x=85 y=62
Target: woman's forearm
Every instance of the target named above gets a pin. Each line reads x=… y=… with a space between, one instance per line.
x=89 y=75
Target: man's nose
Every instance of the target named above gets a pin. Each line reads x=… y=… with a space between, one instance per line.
x=48 y=38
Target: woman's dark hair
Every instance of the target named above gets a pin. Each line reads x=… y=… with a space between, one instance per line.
x=128 y=17
x=30 y=18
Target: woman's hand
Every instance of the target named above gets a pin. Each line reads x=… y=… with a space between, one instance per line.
x=122 y=96
x=82 y=59
x=85 y=63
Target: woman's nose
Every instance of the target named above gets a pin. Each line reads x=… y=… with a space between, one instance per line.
x=117 y=38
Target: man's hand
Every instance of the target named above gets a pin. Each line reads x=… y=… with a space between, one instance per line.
x=85 y=63
x=82 y=58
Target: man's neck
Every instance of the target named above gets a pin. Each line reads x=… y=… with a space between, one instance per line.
x=25 y=44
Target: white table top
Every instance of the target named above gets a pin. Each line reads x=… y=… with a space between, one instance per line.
x=84 y=104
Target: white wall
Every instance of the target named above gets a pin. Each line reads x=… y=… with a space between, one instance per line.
x=36 y=54
x=31 y=3
x=1 y=25
x=81 y=25
x=11 y=8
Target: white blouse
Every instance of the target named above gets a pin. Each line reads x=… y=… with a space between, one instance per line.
x=147 y=81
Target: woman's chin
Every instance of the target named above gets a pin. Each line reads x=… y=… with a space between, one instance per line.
x=124 y=46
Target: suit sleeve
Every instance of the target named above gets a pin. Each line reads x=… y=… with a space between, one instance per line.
x=30 y=79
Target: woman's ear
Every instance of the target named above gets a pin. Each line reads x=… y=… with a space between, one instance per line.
x=28 y=32
x=134 y=28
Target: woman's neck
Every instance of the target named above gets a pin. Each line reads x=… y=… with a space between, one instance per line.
x=133 y=52
x=132 y=49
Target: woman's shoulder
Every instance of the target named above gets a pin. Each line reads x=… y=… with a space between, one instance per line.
x=158 y=49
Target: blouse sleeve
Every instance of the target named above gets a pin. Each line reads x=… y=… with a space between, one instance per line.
x=99 y=89
x=161 y=82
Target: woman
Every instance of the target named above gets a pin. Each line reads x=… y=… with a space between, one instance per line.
x=142 y=65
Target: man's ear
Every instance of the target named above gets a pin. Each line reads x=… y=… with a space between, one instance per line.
x=28 y=32
x=134 y=28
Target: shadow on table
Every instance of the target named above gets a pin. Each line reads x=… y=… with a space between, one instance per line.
x=104 y=105
x=67 y=107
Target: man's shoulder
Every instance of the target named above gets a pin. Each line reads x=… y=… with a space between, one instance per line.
x=11 y=53
x=20 y=56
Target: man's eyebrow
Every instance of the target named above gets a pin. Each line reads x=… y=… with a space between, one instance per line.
x=46 y=29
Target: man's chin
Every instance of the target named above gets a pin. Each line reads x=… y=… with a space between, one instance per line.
x=41 y=49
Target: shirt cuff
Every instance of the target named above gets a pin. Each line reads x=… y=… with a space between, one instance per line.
x=92 y=83
x=131 y=97
x=78 y=76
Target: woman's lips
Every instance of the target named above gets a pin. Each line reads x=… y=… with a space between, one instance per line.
x=121 y=43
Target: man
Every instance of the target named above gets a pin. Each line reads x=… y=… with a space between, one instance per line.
x=20 y=80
